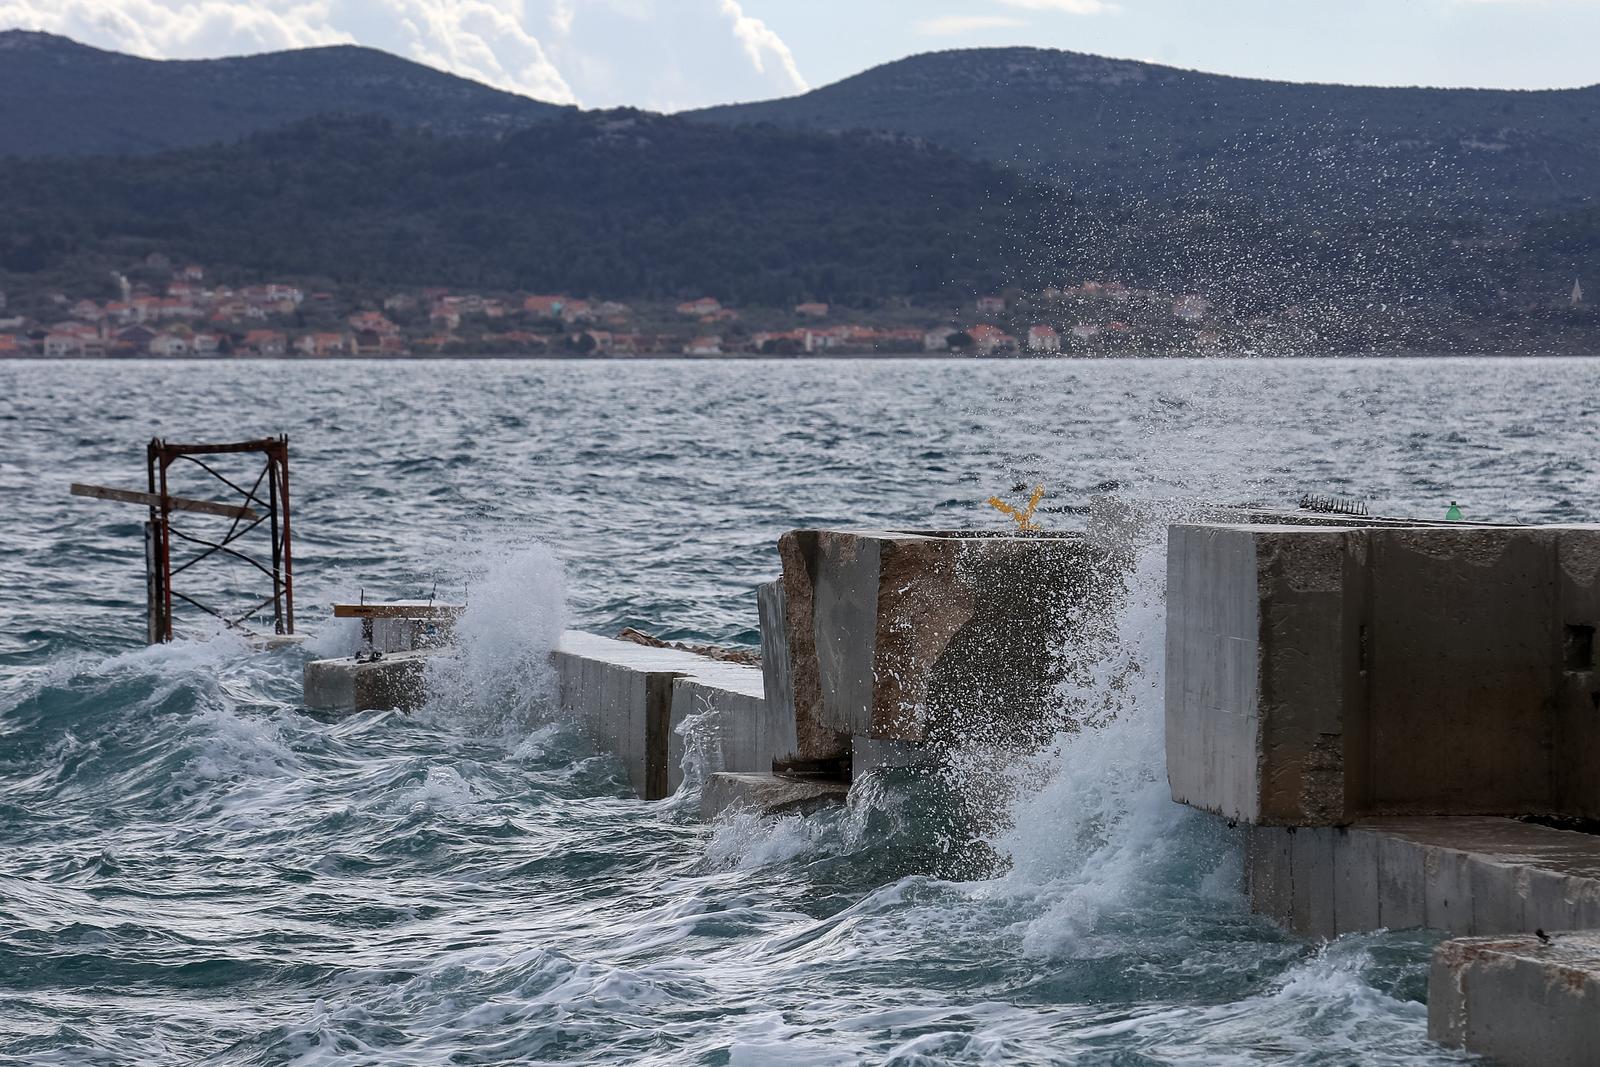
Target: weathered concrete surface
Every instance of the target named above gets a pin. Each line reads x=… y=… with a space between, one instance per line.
x=1518 y=1000
x=735 y=727
x=1260 y=670
x=778 y=685
x=1465 y=876
x=633 y=698
x=395 y=681
x=1318 y=675
x=921 y=636
x=768 y=794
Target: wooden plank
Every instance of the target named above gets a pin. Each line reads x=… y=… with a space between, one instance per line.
x=153 y=500
x=397 y=611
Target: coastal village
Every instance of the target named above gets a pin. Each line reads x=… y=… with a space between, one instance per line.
x=158 y=308
x=171 y=310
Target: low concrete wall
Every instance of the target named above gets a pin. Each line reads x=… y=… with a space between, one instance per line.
x=632 y=699
x=1464 y=876
x=1520 y=1000
x=1315 y=676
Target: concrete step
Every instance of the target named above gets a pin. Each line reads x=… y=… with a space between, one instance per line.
x=1524 y=1001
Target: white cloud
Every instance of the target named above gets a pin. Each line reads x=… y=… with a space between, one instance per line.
x=654 y=53
x=1070 y=7
x=758 y=40
x=955 y=25
x=480 y=39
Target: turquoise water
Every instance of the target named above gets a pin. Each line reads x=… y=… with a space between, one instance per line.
x=198 y=871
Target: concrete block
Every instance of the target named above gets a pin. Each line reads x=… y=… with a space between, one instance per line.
x=925 y=636
x=769 y=794
x=1259 y=670
x=777 y=683
x=1317 y=676
x=395 y=681
x=740 y=731
x=1464 y=876
x=632 y=699
x=1519 y=1000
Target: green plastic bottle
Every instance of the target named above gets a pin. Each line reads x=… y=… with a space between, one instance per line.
x=1454 y=514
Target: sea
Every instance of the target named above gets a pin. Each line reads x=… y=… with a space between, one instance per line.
x=194 y=869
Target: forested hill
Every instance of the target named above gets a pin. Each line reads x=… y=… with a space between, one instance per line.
x=61 y=97
x=1143 y=131
x=623 y=204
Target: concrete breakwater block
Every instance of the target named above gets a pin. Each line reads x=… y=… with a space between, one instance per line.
x=769 y=794
x=395 y=681
x=1523 y=1001
x=923 y=636
x=1318 y=675
x=1465 y=876
x=632 y=699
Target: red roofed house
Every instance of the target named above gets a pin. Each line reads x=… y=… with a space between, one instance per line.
x=700 y=308
x=813 y=311
x=9 y=346
x=990 y=339
x=544 y=307
x=1043 y=339
x=375 y=321
x=264 y=342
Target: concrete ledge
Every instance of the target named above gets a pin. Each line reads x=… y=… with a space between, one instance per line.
x=632 y=699
x=768 y=794
x=1518 y=1000
x=1465 y=876
x=395 y=681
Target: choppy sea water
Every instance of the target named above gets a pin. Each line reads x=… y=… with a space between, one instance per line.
x=195 y=870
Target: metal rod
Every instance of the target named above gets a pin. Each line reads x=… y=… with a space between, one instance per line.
x=277 y=547
x=288 y=556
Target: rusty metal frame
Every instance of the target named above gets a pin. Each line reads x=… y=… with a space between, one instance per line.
x=274 y=510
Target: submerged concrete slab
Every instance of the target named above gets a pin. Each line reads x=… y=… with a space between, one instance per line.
x=1316 y=676
x=1465 y=876
x=1521 y=1000
x=769 y=794
x=348 y=685
x=928 y=636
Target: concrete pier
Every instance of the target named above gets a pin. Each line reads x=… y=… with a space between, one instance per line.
x=1523 y=1001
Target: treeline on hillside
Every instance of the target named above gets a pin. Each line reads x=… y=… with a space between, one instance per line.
x=629 y=205
x=622 y=203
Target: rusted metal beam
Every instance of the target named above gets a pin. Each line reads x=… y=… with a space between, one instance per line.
x=154 y=500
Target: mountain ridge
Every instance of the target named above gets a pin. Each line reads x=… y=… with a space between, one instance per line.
x=68 y=98
x=1136 y=129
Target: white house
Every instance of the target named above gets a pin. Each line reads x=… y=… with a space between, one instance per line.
x=1043 y=339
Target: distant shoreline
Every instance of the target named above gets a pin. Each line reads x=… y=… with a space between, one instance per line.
x=816 y=357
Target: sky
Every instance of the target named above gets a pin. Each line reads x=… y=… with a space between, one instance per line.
x=669 y=55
